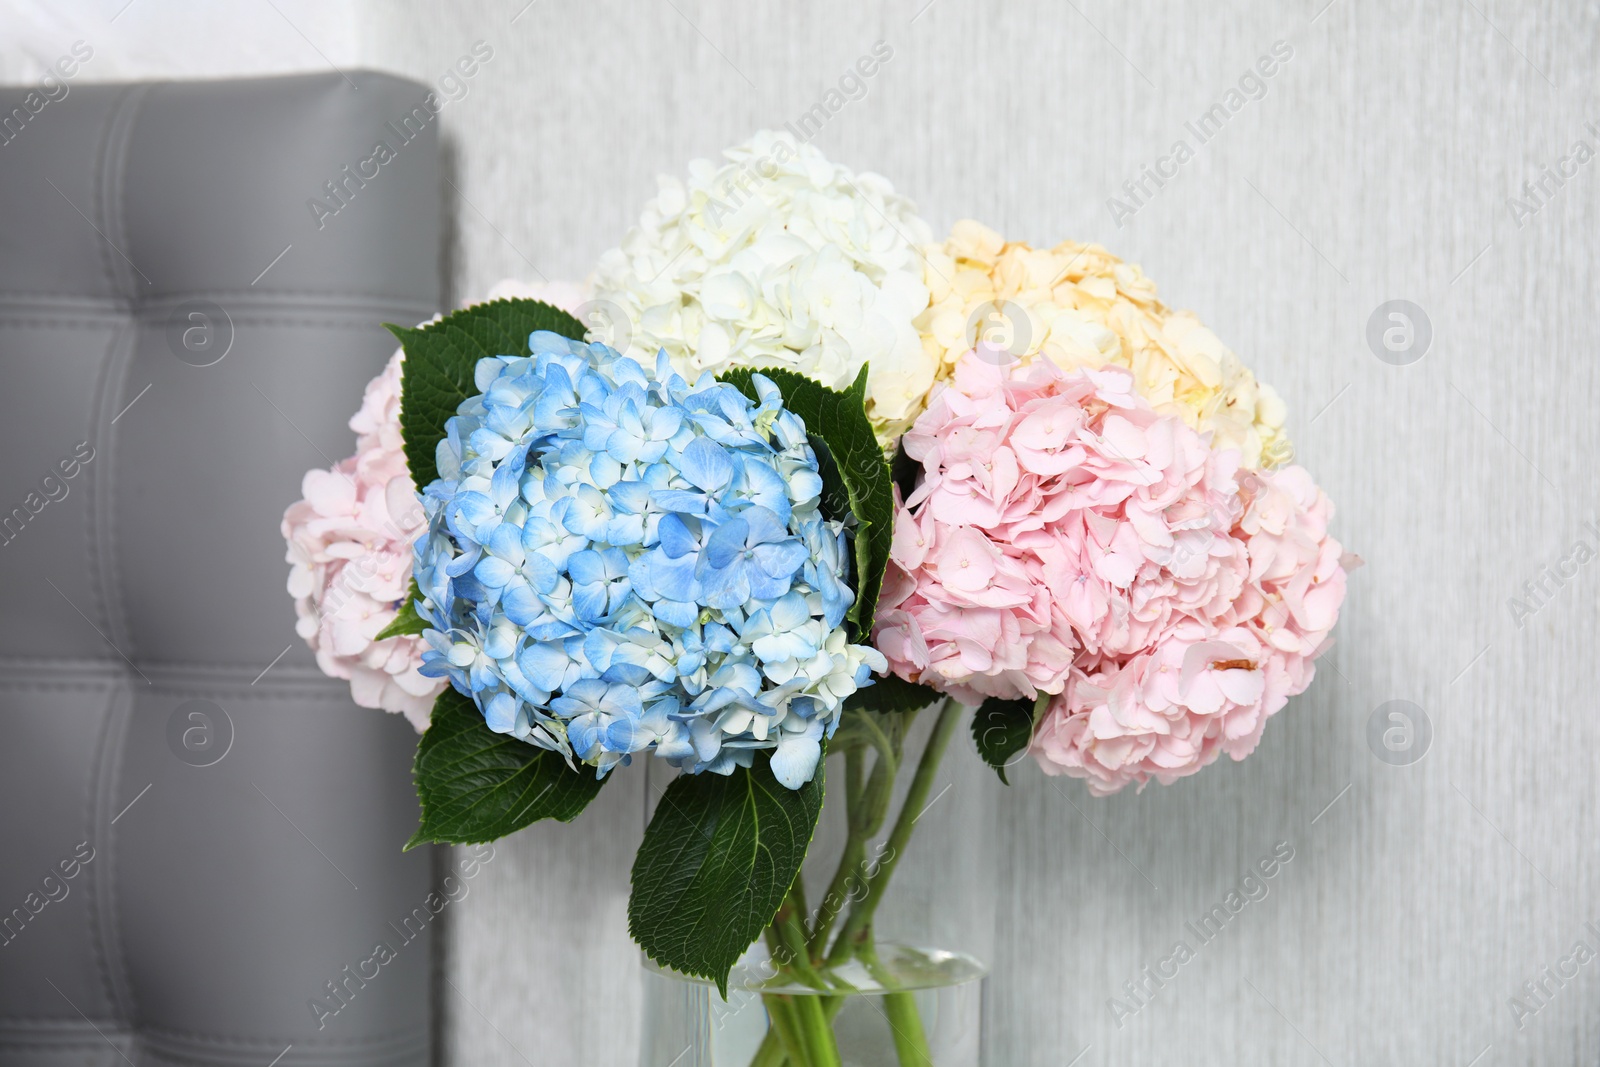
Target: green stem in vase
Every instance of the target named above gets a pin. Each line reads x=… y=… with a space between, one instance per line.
x=801 y=1033
x=899 y=1007
x=782 y=1020
x=791 y=952
x=858 y=787
x=910 y=810
x=771 y=1053
x=804 y=1034
x=786 y=1041
x=817 y=1026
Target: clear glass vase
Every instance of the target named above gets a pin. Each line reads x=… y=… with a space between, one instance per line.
x=909 y=1006
x=842 y=980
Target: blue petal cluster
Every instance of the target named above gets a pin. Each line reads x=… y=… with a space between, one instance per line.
x=619 y=563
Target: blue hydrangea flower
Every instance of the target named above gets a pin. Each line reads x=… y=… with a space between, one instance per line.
x=618 y=563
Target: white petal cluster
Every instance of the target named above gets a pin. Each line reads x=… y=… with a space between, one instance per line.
x=778 y=258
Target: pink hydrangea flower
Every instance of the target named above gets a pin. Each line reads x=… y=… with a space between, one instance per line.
x=1067 y=539
x=1163 y=713
x=1199 y=692
x=350 y=548
x=1058 y=517
x=350 y=545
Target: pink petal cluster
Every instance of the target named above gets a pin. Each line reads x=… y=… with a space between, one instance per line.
x=1066 y=539
x=350 y=548
x=1059 y=519
x=350 y=545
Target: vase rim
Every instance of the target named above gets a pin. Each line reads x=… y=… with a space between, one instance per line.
x=917 y=967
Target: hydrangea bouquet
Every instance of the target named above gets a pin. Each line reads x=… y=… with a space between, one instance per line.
x=808 y=499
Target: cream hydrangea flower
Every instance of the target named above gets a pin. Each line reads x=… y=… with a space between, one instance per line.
x=778 y=258
x=1085 y=308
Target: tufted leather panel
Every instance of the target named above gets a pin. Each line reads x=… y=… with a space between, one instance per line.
x=200 y=836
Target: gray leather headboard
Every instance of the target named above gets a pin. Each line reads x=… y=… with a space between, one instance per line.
x=200 y=836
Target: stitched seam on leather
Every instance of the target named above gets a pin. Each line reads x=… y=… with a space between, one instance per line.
x=364 y=324
x=99 y=885
x=115 y=950
x=34 y=324
x=97 y=192
x=352 y=1057
x=120 y=305
x=402 y=1037
x=169 y=676
x=115 y=670
x=92 y=662
x=124 y=341
x=111 y=956
x=119 y=137
x=189 y=666
x=245 y=693
x=99 y=497
x=65 y=687
x=242 y=692
x=97 y=527
x=264 y=297
x=105 y=548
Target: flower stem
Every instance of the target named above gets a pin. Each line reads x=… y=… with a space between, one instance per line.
x=910 y=811
x=817 y=1032
x=788 y=947
x=900 y=1008
x=855 y=850
x=801 y=1033
x=804 y=1031
x=868 y=807
x=771 y=1053
x=780 y=1017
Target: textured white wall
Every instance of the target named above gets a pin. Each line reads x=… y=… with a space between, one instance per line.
x=138 y=39
x=1376 y=167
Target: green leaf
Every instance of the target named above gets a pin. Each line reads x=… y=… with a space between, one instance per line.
x=892 y=693
x=476 y=785
x=406 y=621
x=854 y=472
x=437 y=374
x=904 y=470
x=715 y=863
x=1003 y=728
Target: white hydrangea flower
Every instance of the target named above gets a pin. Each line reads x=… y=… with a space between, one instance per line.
x=779 y=258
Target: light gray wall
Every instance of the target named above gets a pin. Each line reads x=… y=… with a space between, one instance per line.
x=1377 y=166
